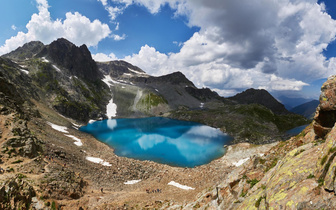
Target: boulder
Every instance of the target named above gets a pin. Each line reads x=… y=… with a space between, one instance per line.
x=325 y=116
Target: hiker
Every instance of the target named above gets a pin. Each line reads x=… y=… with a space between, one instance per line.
x=101 y=189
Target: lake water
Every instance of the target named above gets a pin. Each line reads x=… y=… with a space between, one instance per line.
x=173 y=142
x=297 y=130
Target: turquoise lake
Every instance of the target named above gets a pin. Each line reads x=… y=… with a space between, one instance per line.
x=163 y=140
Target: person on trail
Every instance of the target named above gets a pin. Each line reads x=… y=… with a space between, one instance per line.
x=101 y=189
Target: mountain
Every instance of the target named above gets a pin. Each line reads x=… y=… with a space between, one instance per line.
x=253 y=96
x=290 y=103
x=307 y=109
x=48 y=91
x=66 y=78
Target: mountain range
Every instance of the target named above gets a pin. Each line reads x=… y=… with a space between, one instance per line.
x=48 y=91
x=67 y=79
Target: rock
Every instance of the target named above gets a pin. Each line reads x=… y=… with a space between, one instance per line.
x=16 y=193
x=330 y=177
x=62 y=184
x=325 y=116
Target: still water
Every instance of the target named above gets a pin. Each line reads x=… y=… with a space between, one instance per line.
x=163 y=140
x=297 y=130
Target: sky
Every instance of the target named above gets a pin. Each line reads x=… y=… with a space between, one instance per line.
x=287 y=47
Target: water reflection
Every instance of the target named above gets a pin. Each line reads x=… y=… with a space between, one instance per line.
x=173 y=142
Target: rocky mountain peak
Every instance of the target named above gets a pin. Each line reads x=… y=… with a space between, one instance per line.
x=77 y=60
x=254 y=96
x=28 y=50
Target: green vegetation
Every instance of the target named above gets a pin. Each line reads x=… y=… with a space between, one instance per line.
x=273 y=163
x=21 y=176
x=152 y=100
x=243 y=193
x=257 y=203
x=310 y=176
x=17 y=161
x=324 y=159
x=252 y=182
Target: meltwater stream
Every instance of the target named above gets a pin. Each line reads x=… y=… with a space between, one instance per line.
x=163 y=140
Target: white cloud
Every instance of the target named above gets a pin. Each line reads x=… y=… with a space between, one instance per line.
x=119 y=38
x=75 y=27
x=13 y=27
x=103 y=57
x=276 y=45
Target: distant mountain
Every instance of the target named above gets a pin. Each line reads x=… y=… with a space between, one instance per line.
x=290 y=103
x=307 y=109
x=253 y=96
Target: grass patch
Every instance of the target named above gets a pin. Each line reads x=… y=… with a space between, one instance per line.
x=18 y=161
x=257 y=203
x=252 y=182
x=324 y=159
x=274 y=162
x=310 y=176
x=243 y=193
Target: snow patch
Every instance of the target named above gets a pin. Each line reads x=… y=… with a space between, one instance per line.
x=24 y=71
x=98 y=160
x=45 y=60
x=62 y=129
x=132 y=181
x=157 y=90
x=56 y=68
x=91 y=121
x=108 y=80
x=78 y=141
x=184 y=187
x=134 y=71
x=202 y=105
x=111 y=109
x=240 y=162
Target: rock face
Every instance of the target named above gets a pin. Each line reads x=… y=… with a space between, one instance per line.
x=77 y=60
x=325 y=116
x=253 y=96
x=16 y=193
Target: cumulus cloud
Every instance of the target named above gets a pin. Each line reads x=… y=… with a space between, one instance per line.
x=103 y=57
x=13 y=27
x=276 y=45
x=75 y=27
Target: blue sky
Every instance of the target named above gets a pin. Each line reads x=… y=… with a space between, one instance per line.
x=286 y=47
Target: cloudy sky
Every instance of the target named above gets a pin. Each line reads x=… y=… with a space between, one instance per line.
x=284 y=46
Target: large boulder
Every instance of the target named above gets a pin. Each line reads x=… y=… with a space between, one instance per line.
x=325 y=116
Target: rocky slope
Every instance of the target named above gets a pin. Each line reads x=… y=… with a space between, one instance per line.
x=295 y=174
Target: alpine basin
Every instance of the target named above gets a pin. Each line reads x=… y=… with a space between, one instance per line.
x=163 y=140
